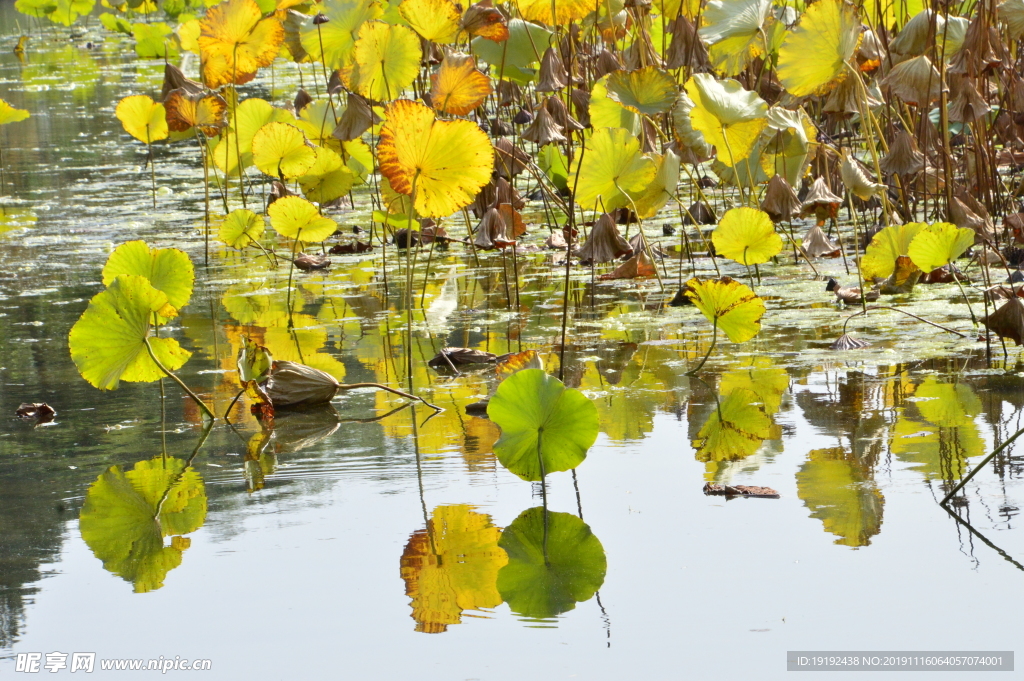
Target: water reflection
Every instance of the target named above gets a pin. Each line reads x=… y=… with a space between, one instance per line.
x=945 y=435
x=839 y=490
x=128 y=514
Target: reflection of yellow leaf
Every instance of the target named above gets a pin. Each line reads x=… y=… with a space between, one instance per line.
x=452 y=566
x=841 y=494
x=761 y=378
x=734 y=430
x=941 y=445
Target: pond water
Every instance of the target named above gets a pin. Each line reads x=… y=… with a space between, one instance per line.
x=336 y=546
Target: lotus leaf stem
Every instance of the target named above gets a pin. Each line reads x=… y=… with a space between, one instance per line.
x=202 y=405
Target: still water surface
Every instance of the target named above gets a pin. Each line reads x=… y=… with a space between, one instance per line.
x=337 y=547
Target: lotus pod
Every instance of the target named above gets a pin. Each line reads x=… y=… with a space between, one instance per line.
x=553 y=76
x=856 y=180
x=357 y=119
x=606 y=63
x=292 y=384
x=509 y=160
x=544 y=129
x=915 y=81
x=848 y=342
x=605 y=244
x=523 y=116
x=556 y=107
x=817 y=245
x=968 y=105
x=904 y=158
x=780 y=200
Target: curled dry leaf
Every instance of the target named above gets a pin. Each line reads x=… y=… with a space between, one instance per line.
x=357 y=119
x=640 y=265
x=904 y=158
x=41 y=412
x=292 y=384
x=308 y=262
x=604 y=244
x=461 y=356
x=1008 y=321
x=544 y=129
x=350 y=248
x=740 y=490
x=817 y=245
x=780 y=200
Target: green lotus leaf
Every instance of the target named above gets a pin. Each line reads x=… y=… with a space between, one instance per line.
x=512 y=58
x=114 y=23
x=613 y=166
x=126 y=516
x=338 y=36
x=108 y=342
x=605 y=112
x=534 y=411
x=155 y=41
x=554 y=562
x=167 y=269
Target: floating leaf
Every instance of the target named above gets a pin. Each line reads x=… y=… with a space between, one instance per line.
x=458 y=87
x=939 y=244
x=537 y=412
x=612 y=166
x=9 y=114
x=126 y=516
x=167 y=269
x=236 y=41
x=207 y=113
x=108 y=342
x=730 y=305
x=730 y=117
x=387 y=60
x=142 y=118
x=747 y=236
x=241 y=228
x=815 y=53
x=554 y=562
x=296 y=218
x=436 y=21
x=443 y=164
x=452 y=566
x=649 y=90
x=280 y=150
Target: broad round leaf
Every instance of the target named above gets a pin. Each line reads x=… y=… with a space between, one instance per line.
x=387 y=61
x=124 y=522
x=152 y=41
x=296 y=218
x=338 y=35
x=730 y=117
x=815 y=53
x=554 y=562
x=327 y=179
x=443 y=163
x=458 y=87
x=648 y=91
x=436 y=21
x=939 y=244
x=236 y=41
x=168 y=269
x=8 y=114
x=747 y=236
x=886 y=246
x=612 y=165
x=108 y=342
x=731 y=305
x=252 y=114
x=208 y=113
x=142 y=118
x=241 y=228
x=555 y=12
x=536 y=410
x=279 y=149
x=735 y=29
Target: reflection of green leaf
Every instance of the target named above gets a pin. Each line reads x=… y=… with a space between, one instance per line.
x=761 y=378
x=941 y=445
x=947 y=404
x=554 y=562
x=536 y=410
x=12 y=218
x=840 y=493
x=452 y=566
x=108 y=342
x=734 y=430
x=127 y=515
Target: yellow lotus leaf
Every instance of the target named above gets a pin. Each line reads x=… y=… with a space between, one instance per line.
x=838 y=490
x=435 y=20
x=886 y=246
x=441 y=164
x=648 y=90
x=208 y=113
x=188 y=35
x=730 y=305
x=458 y=87
x=747 y=236
x=241 y=228
x=606 y=112
x=142 y=118
x=333 y=43
x=9 y=114
x=735 y=30
x=483 y=20
x=939 y=244
x=328 y=178
x=661 y=189
x=730 y=117
x=555 y=12
x=252 y=114
x=815 y=53
x=612 y=166
x=387 y=60
x=280 y=150
x=296 y=218
x=236 y=41
x=317 y=120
